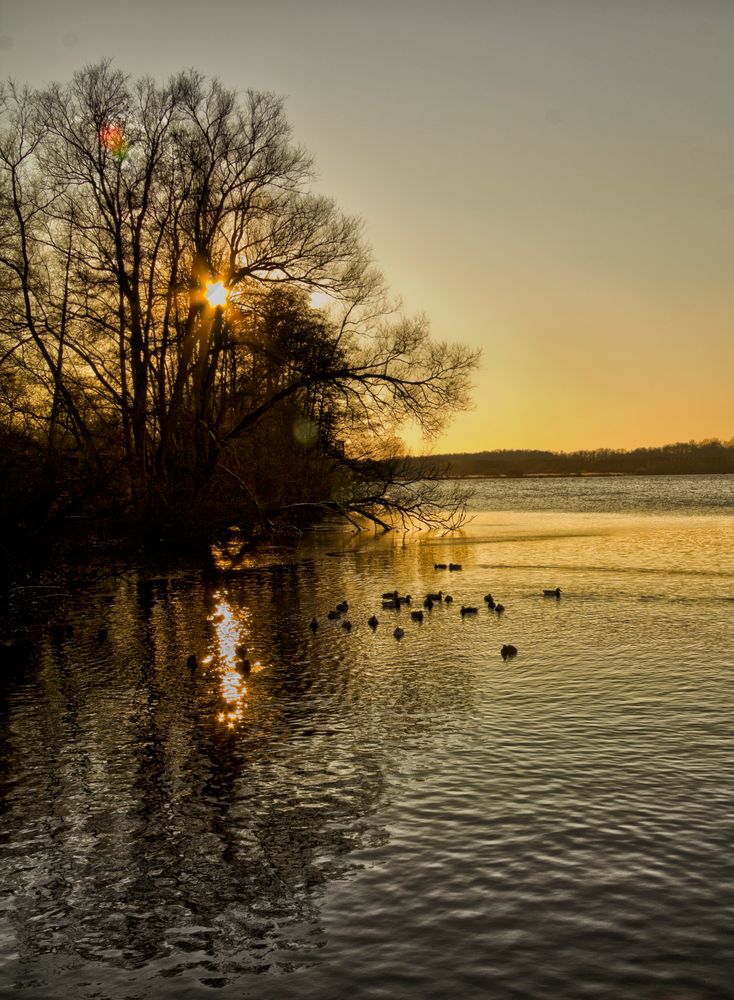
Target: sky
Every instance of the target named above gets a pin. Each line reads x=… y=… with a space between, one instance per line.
x=549 y=180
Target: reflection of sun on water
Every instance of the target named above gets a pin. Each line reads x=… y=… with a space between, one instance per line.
x=228 y=658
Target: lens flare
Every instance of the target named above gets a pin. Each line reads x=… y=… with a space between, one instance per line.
x=113 y=139
x=305 y=431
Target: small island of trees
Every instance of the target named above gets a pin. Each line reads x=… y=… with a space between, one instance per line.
x=189 y=335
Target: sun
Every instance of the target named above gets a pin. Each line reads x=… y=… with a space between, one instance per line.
x=216 y=293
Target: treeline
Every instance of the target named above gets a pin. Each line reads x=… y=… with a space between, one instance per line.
x=189 y=335
x=685 y=458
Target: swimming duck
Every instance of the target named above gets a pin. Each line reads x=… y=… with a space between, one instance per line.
x=390 y=596
x=417 y=616
x=343 y=606
x=333 y=615
x=552 y=593
x=428 y=604
x=347 y=626
x=448 y=599
x=436 y=598
x=440 y=566
x=313 y=624
x=392 y=603
x=373 y=621
x=499 y=608
x=454 y=566
x=244 y=667
x=489 y=599
x=508 y=651
x=467 y=611
x=399 y=633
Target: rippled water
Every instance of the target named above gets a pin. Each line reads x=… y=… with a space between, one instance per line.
x=381 y=819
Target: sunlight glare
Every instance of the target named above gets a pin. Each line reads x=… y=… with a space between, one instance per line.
x=227 y=655
x=216 y=293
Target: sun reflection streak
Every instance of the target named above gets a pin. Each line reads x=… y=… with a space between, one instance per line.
x=229 y=658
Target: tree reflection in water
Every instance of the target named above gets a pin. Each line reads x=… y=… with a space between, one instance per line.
x=176 y=820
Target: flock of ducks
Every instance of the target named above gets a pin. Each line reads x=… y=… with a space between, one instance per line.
x=392 y=600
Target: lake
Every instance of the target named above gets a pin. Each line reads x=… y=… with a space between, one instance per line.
x=366 y=817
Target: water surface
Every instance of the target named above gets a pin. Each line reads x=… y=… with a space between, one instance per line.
x=361 y=816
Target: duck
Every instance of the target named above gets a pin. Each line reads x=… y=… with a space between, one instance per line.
x=333 y=615
x=454 y=566
x=508 y=651
x=448 y=599
x=428 y=604
x=467 y=611
x=347 y=625
x=417 y=616
x=343 y=606
x=313 y=624
x=489 y=600
x=244 y=667
x=391 y=595
x=499 y=608
x=436 y=598
x=392 y=603
x=399 y=633
x=440 y=566
x=403 y=600
x=552 y=593
x=373 y=621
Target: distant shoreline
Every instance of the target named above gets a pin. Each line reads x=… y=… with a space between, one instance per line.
x=582 y=475
x=705 y=458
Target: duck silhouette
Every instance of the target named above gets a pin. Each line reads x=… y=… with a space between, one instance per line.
x=467 y=611
x=373 y=621
x=508 y=651
x=399 y=633
x=552 y=593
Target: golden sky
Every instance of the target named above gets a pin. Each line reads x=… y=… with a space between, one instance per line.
x=552 y=181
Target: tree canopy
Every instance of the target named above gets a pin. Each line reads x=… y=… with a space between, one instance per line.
x=185 y=325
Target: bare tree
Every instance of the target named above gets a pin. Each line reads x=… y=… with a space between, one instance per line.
x=127 y=207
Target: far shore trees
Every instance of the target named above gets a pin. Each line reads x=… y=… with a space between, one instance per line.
x=186 y=329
